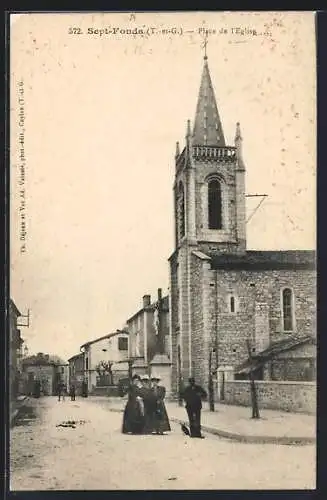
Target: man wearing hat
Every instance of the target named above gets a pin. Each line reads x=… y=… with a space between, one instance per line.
x=161 y=420
x=193 y=395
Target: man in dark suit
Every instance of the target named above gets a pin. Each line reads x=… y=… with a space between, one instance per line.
x=72 y=392
x=193 y=395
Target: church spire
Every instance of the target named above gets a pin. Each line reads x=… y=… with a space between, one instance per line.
x=207 y=125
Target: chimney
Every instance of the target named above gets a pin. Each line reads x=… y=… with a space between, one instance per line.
x=146 y=300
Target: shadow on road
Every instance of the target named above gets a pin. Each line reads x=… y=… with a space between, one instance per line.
x=26 y=415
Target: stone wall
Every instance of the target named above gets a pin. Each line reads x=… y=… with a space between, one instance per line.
x=251 y=288
x=174 y=326
x=198 y=346
x=110 y=391
x=299 y=397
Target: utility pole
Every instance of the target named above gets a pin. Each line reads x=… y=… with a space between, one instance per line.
x=130 y=373
x=254 y=398
x=210 y=383
x=27 y=316
x=180 y=382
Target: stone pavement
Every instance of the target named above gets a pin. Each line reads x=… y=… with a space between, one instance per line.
x=235 y=422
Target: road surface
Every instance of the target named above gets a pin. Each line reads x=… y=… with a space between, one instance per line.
x=96 y=456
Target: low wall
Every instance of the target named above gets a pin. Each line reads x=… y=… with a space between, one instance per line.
x=299 y=397
x=110 y=391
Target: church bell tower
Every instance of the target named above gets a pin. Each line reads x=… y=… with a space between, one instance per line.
x=209 y=188
x=209 y=206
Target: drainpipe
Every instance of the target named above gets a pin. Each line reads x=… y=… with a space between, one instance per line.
x=216 y=327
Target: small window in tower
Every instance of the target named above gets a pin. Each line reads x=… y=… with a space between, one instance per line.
x=232 y=304
x=287 y=309
x=214 y=204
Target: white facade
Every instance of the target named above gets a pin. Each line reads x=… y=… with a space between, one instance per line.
x=111 y=348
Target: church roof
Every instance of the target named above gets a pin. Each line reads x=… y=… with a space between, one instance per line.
x=207 y=124
x=258 y=260
x=273 y=350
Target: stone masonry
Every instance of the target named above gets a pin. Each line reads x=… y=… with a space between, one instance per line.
x=222 y=295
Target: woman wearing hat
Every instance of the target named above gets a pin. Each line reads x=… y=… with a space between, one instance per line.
x=161 y=420
x=150 y=402
x=133 y=419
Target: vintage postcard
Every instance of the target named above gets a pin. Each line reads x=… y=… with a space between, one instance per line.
x=162 y=251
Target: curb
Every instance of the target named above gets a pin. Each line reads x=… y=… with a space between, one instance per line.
x=16 y=412
x=284 y=440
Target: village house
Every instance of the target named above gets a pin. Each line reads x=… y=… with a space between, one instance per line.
x=111 y=349
x=15 y=351
x=48 y=370
x=76 y=371
x=228 y=302
x=149 y=333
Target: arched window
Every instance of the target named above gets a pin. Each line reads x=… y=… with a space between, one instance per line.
x=287 y=310
x=232 y=303
x=214 y=204
x=181 y=210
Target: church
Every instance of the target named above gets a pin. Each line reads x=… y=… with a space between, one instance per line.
x=232 y=311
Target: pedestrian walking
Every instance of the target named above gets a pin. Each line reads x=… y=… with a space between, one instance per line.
x=193 y=395
x=61 y=391
x=133 y=418
x=37 y=389
x=84 y=389
x=72 y=392
x=160 y=418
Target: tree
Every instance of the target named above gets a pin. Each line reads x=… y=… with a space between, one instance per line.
x=212 y=371
x=254 y=397
x=104 y=370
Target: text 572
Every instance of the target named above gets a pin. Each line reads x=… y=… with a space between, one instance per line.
x=74 y=31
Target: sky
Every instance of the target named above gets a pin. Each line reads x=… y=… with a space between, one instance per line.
x=101 y=117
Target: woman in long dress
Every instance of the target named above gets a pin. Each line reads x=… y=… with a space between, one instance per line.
x=149 y=400
x=160 y=419
x=133 y=419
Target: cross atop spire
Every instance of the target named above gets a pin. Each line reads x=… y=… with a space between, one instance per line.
x=205 y=43
x=207 y=125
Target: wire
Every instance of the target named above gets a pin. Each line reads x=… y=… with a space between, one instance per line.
x=256 y=209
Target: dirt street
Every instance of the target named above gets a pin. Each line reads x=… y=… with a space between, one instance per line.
x=94 y=455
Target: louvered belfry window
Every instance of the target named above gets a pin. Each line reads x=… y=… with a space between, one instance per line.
x=214 y=204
